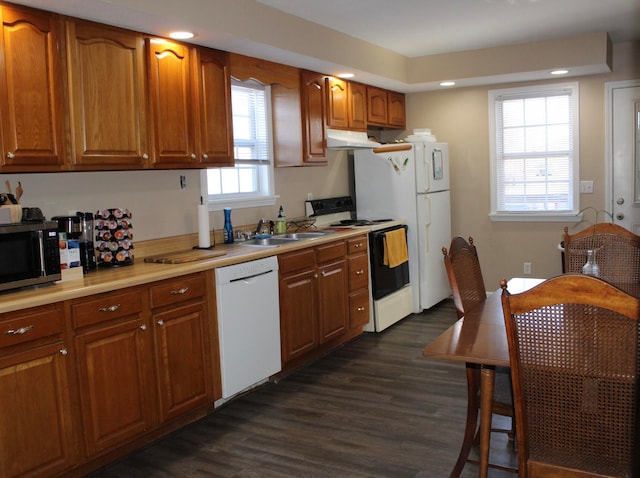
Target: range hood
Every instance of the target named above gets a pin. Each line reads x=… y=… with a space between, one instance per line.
x=342 y=139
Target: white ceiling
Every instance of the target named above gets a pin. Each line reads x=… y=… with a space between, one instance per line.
x=426 y=27
x=410 y=28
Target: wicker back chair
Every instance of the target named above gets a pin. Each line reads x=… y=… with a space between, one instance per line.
x=574 y=349
x=467 y=288
x=617 y=253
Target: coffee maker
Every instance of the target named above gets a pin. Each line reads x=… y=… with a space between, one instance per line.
x=87 y=252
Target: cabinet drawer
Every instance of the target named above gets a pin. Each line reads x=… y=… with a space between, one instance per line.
x=359 y=309
x=177 y=290
x=31 y=324
x=331 y=251
x=357 y=244
x=358 y=272
x=295 y=261
x=105 y=307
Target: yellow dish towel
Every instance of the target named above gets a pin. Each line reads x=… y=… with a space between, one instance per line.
x=395 y=248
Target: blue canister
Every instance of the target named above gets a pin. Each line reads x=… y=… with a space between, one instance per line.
x=228 y=228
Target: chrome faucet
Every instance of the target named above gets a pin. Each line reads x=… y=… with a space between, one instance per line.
x=262 y=223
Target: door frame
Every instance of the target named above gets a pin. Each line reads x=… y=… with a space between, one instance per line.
x=610 y=87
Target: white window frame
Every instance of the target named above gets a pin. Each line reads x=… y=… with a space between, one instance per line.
x=265 y=196
x=536 y=216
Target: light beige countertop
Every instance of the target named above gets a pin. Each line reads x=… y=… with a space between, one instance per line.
x=108 y=279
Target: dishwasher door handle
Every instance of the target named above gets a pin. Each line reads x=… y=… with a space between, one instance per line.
x=245 y=278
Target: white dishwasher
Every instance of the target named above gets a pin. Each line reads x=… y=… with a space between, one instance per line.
x=248 y=308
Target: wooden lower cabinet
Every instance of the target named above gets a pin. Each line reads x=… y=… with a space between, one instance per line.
x=115 y=371
x=314 y=301
x=36 y=433
x=184 y=372
x=359 y=303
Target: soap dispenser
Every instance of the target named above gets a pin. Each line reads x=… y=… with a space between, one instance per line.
x=281 y=222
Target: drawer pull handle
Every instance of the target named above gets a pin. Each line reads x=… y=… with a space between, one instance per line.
x=111 y=308
x=20 y=331
x=360 y=272
x=64 y=351
x=360 y=309
x=180 y=291
x=358 y=245
x=160 y=322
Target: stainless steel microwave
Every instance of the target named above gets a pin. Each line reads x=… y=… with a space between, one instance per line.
x=29 y=254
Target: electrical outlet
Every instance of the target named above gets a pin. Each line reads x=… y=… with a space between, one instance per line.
x=586 y=187
x=527 y=268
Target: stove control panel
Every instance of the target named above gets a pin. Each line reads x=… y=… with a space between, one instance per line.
x=322 y=207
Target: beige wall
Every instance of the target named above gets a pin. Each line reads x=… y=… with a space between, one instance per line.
x=460 y=118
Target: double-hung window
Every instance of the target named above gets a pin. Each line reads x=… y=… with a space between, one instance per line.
x=534 y=152
x=250 y=182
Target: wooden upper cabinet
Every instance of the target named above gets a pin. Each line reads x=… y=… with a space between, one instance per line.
x=107 y=95
x=31 y=111
x=396 y=109
x=172 y=107
x=337 y=102
x=214 y=107
x=377 y=106
x=346 y=104
x=313 y=118
x=357 y=103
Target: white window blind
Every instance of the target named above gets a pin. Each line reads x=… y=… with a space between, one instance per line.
x=250 y=132
x=535 y=150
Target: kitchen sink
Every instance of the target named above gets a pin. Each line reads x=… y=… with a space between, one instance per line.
x=268 y=242
x=281 y=239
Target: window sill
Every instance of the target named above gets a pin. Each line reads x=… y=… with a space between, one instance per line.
x=240 y=203
x=535 y=217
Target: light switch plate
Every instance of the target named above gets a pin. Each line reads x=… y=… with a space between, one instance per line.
x=586 y=187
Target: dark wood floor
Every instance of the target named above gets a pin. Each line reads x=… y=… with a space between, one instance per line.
x=373 y=408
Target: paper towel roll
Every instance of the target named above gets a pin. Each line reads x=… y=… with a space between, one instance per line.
x=204 y=234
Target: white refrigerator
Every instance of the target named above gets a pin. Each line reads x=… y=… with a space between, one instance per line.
x=410 y=182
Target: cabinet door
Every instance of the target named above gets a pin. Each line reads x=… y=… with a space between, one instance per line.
x=171 y=99
x=333 y=298
x=357 y=97
x=214 y=101
x=184 y=373
x=298 y=314
x=377 y=106
x=313 y=114
x=114 y=366
x=337 y=103
x=31 y=106
x=107 y=94
x=35 y=413
x=396 y=109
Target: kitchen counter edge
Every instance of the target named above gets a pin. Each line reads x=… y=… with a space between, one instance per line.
x=109 y=279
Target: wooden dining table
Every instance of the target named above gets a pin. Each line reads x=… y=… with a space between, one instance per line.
x=480 y=338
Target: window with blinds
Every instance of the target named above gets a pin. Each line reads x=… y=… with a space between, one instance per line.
x=534 y=150
x=250 y=181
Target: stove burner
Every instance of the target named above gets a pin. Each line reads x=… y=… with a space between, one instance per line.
x=360 y=222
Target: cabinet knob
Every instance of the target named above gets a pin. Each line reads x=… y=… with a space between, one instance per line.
x=143 y=327
x=358 y=245
x=182 y=291
x=360 y=272
x=205 y=156
x=64 y=351
x=145 y=156
x=160 y=322
x=20 y=331
x=111 y=308
x=11 y=155
x=361 y=309
x=193 y=156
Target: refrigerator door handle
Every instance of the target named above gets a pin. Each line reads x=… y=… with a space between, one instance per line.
x=437 y=164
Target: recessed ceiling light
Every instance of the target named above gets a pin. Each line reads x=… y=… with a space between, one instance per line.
x=181 y=35
x=447 y=83
x=346 y=75
x=559 y=72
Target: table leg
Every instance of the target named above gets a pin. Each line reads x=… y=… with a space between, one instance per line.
x=487 y=380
